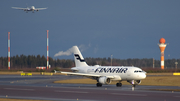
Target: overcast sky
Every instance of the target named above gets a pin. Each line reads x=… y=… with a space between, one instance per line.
x=123 y=28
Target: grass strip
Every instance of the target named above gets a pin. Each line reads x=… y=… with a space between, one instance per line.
x=18 y=73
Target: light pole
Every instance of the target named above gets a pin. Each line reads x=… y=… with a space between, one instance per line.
x=176 y=64
x=153 y=62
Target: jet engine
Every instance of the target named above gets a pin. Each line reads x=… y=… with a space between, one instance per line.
x=137 y=82
x=104 y=80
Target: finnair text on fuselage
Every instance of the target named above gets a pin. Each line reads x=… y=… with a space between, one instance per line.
x=110 y=70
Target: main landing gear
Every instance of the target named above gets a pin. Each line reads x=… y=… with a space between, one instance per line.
x=99 y=85
x=118 y=84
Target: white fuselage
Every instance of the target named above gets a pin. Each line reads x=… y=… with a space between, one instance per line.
x=30 y=9
x=125 y=73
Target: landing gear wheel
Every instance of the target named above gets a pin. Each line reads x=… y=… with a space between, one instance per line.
x=99 y=85
x=118 y=84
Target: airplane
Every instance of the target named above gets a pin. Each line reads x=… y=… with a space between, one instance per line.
x=32 y=8
x=105 y=74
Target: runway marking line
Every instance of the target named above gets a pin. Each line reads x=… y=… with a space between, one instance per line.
x=18 y=89
x=129 y=94
x=70 y=91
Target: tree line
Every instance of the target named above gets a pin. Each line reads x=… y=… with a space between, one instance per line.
x=32 y=61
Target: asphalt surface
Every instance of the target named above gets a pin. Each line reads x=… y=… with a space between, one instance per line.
x=42 y=88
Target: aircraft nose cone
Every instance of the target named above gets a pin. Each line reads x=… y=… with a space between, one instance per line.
x=143 y=76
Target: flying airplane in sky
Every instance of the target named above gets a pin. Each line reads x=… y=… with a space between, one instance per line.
x=106 y=74
x=32 y=8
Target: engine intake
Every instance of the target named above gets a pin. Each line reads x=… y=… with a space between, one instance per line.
x=104 y=80
x=137 y=82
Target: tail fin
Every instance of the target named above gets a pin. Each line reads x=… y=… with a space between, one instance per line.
x=79 y=60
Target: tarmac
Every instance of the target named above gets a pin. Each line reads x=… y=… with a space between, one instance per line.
x=41 y=87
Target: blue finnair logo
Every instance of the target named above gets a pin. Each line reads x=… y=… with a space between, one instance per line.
x=111 y=70
x=78 y=58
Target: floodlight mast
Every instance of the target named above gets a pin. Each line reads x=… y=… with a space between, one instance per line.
x=8 y=50
x=47 y=49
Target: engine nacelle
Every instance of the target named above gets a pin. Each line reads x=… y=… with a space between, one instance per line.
x=134 y=82
x=137 y=82
x=104 y=80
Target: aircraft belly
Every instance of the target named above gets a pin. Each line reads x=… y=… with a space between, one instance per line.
x=116 y=77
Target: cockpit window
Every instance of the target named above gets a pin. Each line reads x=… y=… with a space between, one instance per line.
x=137 y=71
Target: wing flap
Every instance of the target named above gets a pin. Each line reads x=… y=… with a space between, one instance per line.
x=40 y=8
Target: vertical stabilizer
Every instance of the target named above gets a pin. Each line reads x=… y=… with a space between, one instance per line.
x=79 y=60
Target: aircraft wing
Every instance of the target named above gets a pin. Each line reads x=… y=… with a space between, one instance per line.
x=19 y=8
x=40 y=9
x=83 y=74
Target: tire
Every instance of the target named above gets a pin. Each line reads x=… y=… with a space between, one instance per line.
x=118 y=84
x=99 y=85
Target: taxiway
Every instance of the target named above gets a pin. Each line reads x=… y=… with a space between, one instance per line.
x=43 y=88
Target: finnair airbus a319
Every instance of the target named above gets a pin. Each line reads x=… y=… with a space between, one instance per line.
x=106 y=74
x=32 y=8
